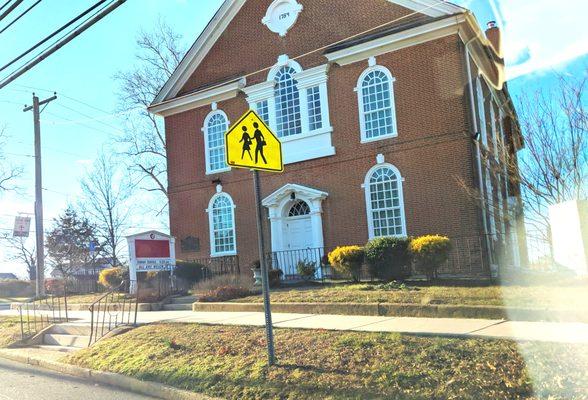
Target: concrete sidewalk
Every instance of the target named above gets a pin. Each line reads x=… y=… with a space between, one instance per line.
x=449 y=327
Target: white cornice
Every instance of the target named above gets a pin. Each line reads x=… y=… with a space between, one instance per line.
x=260 y=91
x=198 y=99
x=432 y=8
x=199 y=49
x=411 y=37
x=312 y=77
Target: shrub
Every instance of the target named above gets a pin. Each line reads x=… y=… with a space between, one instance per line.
x=189 y=272
x=275 y=277
x=244 y=281
x=306 y=269
x=111 y=277
x=224 y=293
x=347 y=260
x=388 y=258
x=54 y=286
x=429 y=253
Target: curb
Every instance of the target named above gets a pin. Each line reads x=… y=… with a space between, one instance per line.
x=404 y=310
x=147 y=388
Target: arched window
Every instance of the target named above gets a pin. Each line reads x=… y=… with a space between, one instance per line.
x=482 y=111
x=377 y=113
x=221 y=216
x=299 y=209
x=384 y=202
x=287 y=97
x=215 y=128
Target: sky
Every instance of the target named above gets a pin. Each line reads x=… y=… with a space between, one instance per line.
x=541 y=38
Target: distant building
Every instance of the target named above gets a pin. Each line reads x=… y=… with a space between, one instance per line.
x=7 y=277
x=382 y=108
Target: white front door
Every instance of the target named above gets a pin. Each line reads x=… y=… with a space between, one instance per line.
x=298 y=234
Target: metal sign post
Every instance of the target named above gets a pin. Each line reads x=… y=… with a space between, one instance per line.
x=269 y=328
x=251 y=144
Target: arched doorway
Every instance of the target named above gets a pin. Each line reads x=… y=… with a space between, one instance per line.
x=296 y=227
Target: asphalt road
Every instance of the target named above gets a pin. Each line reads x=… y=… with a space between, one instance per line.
x=24 y=382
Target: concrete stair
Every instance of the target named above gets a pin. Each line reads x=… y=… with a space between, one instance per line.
x=66 y=337
x=180 y=303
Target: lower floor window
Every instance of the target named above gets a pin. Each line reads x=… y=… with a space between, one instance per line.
x=384 y=202
x=222 y=225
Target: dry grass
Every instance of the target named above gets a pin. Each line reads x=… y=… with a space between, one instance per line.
x=9 y=330
x=241 y=281
x=230 y=362
x=548 y=296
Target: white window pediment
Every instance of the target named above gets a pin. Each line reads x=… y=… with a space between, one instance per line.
x=294 y=103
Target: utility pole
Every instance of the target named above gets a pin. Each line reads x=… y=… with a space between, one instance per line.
x=39 y=232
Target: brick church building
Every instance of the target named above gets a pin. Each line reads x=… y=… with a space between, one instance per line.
x=390 y=112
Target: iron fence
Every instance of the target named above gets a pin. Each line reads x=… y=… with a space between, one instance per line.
x=217 y=266
x=37 y=314
x=293 y=262
x=112 y=310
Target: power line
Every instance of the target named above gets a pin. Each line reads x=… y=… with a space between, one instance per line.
x=3 y=6
x=51 y=36
x=9 y=9
x=72 y=34
x=25 y=12
x=87 y=116
x=66 y=96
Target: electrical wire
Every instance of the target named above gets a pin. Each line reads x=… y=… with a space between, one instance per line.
x=25 y=12
x=55 y=33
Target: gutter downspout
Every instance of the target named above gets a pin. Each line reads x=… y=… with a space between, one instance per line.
x=478 y=151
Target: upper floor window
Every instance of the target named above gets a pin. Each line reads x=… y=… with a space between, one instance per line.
x=377 y=114
x=221 y=216
x=287 y=97
x=293 y=102
x=482 y=111
x=215 y=128
x=384 y=202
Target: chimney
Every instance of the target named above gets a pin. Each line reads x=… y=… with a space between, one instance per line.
x=495 y=37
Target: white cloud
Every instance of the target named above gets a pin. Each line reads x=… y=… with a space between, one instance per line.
x=542 y=34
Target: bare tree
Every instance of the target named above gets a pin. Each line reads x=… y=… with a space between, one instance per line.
x=8 y=173
x=159 y=53
x=25 y=254
x=105 y=195
x=554 y=164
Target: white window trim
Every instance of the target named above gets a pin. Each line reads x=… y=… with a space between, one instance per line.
x=206 y=148
x=359 y=89
x=494 y=129
x=482 y=111
x=294 y=146
x=368 y=202
x=213 y=252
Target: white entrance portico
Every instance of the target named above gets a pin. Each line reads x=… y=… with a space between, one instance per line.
x=295 y=214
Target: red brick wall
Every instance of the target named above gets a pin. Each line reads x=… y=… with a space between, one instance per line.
x=432 y=150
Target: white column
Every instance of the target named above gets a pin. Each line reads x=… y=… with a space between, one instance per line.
x=276 y=229
x=316 y=218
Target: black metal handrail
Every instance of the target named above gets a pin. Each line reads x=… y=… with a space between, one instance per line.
x=112 y=310
x=40 y=313
x=287 y=261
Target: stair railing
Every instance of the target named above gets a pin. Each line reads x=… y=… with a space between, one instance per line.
x=40 y=313
x=114 y=309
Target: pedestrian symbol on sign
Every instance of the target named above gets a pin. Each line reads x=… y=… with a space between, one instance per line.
x=251 y=144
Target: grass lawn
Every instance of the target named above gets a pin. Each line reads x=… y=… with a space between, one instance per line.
x=88 y=298
x=13 y=299
x=9 y=330
x=550 y=296
x=230 y=362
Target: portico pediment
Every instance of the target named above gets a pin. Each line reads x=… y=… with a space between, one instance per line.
x=286 y=191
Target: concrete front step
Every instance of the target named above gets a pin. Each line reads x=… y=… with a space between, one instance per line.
x=178 y=307
x=184 y=300
x=57 y=349
x=75 y=341
x=71 y=329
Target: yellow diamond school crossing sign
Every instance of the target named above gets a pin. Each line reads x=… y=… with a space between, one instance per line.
x=251 y=144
